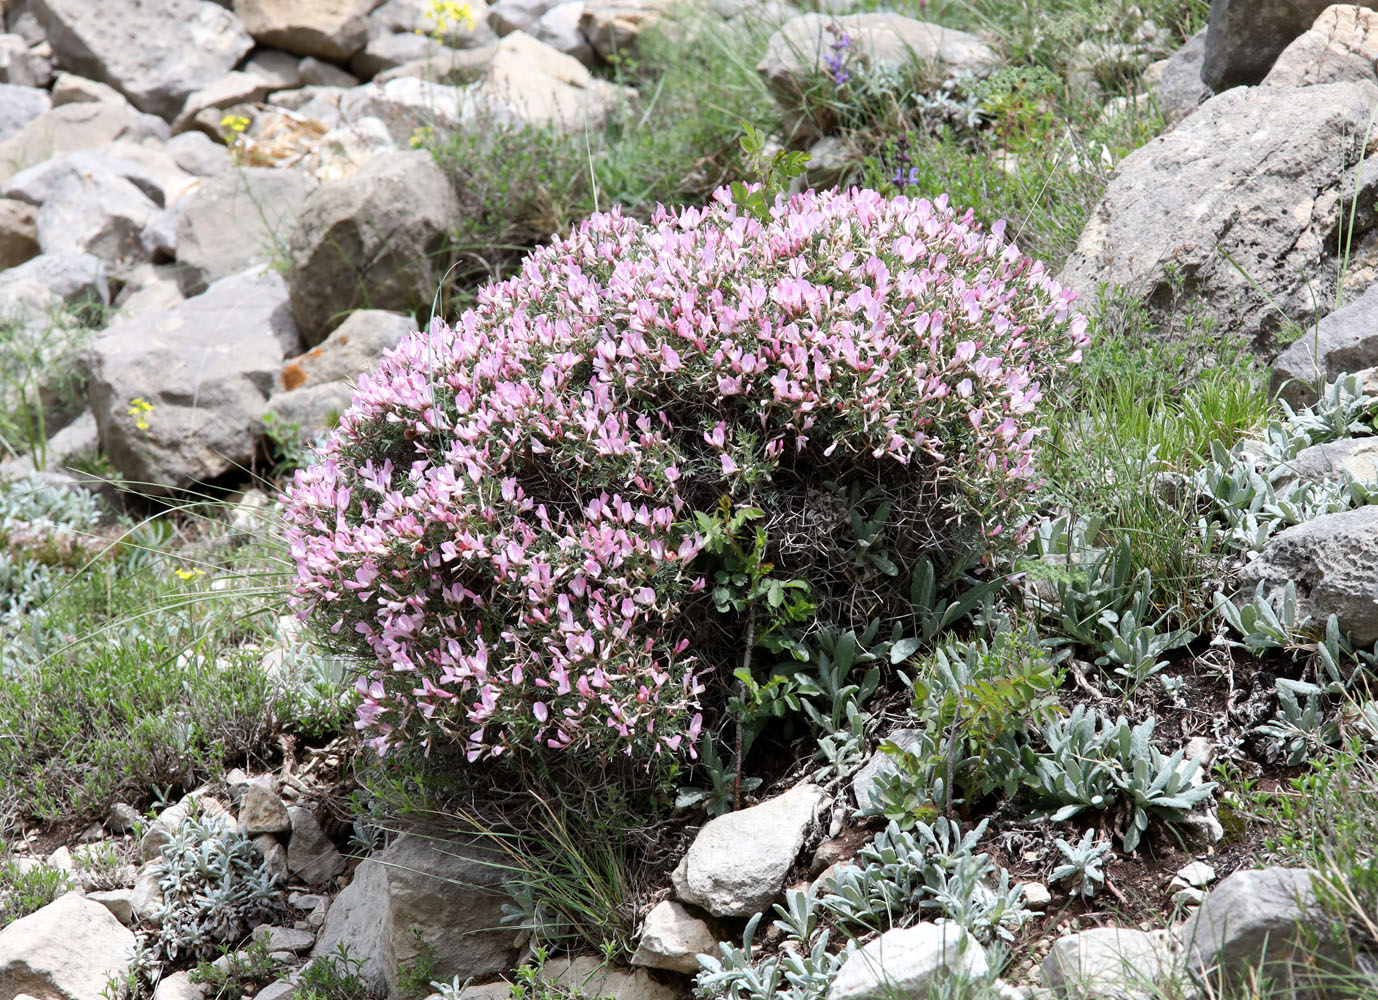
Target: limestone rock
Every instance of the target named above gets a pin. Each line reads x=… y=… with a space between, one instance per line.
x=261 y=811
x=670 y=938
x=284 y=938
x=118 y=901
x=1110 y=962
x=21 y=65
x=236 y=220
x=264 y=74
x=214 y=357
x=1262 y=174
x=198 y=154
x=1244 y=37
x=99 y=213
x=796 y=55
x=865 y=783
x=146 y=898
x=559 y=28
x=19 y=106
x=737 y=864
x=154 y=54
x=1344 y=341
x=591 y=976
x=451 y=891
x=177 y=986
x=18 y=236
x=65 y=951
x=327 y=29
x=312 y=387
x=70 y=127
x=311 y=856
x=613 y=26
x=1342 y=45
x=1178 y=88
x=1356 y=457
x=1333 y=560
x=37 y=285
x=1254 y=921
x=909 y=961
x=507 y=16
x=372 y=238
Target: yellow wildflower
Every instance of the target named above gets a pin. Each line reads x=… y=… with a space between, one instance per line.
x=139 y=409
x=445 y=15
x=189 y=574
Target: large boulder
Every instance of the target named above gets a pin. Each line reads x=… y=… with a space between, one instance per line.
x=153 y=53
x=1110 y=962
x=1345 y=341
x=50 y=280
x=319 y=384
x=1253 y=924
x=68 y=950
x=450 y=891
x=328 y=29
x=1333 y=560
x=370 y=239
x=1244 y=37
x=19 y=106
x=205 y=367
x=1255 y=181
x=737 y=864
x=70 y=127
x=1342 y=45
x=909 y=962
x=235 y=220
x=796 y=56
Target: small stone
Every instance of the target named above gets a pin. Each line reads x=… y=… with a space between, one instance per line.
x=671 y=937
x=285 y=939
x=117 y=901
x=1196 y=875
x=146 y=898
x=260 y=811
x=1189 y=897
x=1036 y=895
x=177 y=986
x=310 y=854
x=61 y=858
x=274 y=854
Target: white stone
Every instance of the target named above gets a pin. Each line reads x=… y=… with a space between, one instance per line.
x=671 y=937
x=909 y=961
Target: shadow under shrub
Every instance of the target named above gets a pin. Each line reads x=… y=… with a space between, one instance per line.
x=503 y=522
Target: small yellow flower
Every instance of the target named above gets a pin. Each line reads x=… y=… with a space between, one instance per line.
x=234 y=125
x=447 y=14
x=189 y=574
x=421 y=135
x=139 y=409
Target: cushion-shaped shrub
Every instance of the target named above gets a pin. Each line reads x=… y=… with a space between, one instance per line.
x=503 y=520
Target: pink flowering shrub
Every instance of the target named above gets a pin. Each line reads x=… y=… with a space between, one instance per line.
x=502 y=521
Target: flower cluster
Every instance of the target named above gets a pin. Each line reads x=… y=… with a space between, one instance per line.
x=503 y=518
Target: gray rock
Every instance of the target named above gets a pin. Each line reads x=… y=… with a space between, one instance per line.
x=99 y=214
x=70 y=127
x=311 y=856
x=199 y=154
x=559 y=28
x=909 y=961
x=122 y=819
x=146 y=898
x=215 y=357
x=69 y=88
x=507 y=16
x=1344 y=341
x=37 y=285
x=451 y=891
x=1178 y=88
x=1341 y=46
x=285 y=938
x=283 y=989
x=21 y=65
x=18 y=237
x=670 y=938
x=372 y=238
x=1333 y=560
x=266 y=73
x=154 y=54
x=261 y=811
x=118 y=901
x=737 y=864
x=387 y=51
x=67 y=950
x=327 y=29
x=236 y=220
x=1262 y=174
x=1254 y=922
x=1110 y=962
x=40 y=183
x=177 y=986
x=318 y=73
x=864 y=784
x=315 y=388
x=796 y=56
x=613 y=26
x=1356 y=457
x=19 y=106
x=527 y=82
x=148 y=288
x=592 y=976
x=1244 y=37
x=274 y=855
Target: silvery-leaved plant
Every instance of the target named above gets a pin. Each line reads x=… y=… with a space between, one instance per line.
x=1083 y=864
